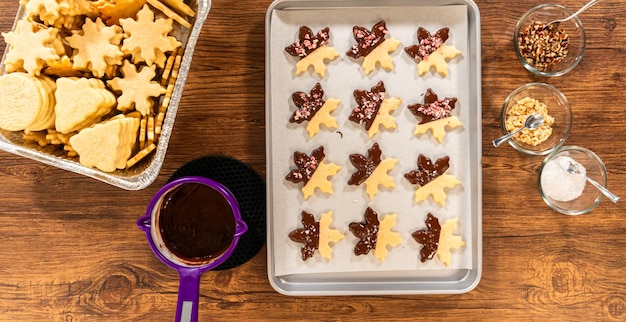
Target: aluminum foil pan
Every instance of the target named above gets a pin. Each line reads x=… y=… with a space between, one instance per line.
x=145 y=172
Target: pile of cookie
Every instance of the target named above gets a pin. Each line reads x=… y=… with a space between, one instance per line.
x=373 y=111
x=93 y=78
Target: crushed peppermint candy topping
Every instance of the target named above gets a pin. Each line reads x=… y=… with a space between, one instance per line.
x=307 y=104
x=367 y=40
x=368 y=105
x=433 y=108
x=306 y=165
x=308 y=42
x=427 y=43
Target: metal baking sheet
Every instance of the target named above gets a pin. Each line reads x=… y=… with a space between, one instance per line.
x=146 y=171
x=284 y=199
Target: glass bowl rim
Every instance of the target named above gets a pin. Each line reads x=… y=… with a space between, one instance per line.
x=510 y=97
x=593 y=156
x=532 y=68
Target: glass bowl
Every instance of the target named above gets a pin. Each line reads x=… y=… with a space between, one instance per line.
x=557 y=107
x=544 y=14
x=567 y=186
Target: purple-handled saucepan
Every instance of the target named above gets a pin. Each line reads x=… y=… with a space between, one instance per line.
x=192 y=224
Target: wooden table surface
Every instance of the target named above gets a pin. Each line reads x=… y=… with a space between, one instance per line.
x=70 y=250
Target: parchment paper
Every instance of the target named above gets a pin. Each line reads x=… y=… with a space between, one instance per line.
x=343 y=76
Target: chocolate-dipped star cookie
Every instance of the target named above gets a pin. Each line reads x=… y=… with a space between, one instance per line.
x=374 y=234
x=431 y=179
x=311 y=105
x=316 y=235
x=435 y=115
x=372 y=170
x=373 y=47
x=431 y=51
x=373 y=109
x=312 y=50
x=312 y=171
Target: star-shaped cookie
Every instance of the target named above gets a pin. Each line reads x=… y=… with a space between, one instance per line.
x=313 y=172
x=374 y=108
x=375 y=235
x=312 y=50
x=137 y=88
x=435 y=115
x=316 y=235
x=431 y=179
x=373 y=47
x=431 y=51
x=372 y=170
x=313 y=108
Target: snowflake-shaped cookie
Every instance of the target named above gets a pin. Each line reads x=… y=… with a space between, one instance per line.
x=375 y=235
x=431 y=51
x=313 y=172
x=30 y=47
x=316 y=235
x=97 y=47
x=373 y=47
x=435 y=114
x=437 y=239
x=372 y=170
x=432 y=179
x=312 y=50
x=313 y=108
x=374 y=108
x=137 y=88
x=148 y=39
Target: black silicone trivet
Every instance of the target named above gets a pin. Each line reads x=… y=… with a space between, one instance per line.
x=249 y=190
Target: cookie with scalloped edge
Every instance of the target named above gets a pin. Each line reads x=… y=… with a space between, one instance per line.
x=431 y=179
x=374 y=109
x=431 y=51
x=314 y=109
x=372 y=170
x=316 y=235
x=96 y=47
x=313 y=171
x=30 y=46
x=312 y=50
x=375 y=234
x=138 y=88
x=148 y=38
x=373 y=47
x=438 y=239
x=435 y=115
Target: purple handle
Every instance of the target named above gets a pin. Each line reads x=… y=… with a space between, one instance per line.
x=188 y=295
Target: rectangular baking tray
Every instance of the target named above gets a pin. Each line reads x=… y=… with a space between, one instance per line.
x=146 y=171
x=451 y=281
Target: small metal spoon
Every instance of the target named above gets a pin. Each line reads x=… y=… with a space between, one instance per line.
x=585 y=7
x=532 y=122
x=572 y=168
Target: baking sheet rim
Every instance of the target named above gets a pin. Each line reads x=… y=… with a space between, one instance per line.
x=469 y=278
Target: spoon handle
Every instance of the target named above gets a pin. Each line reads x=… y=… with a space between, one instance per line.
x=604 y=190
x=503 y=138
x=585 y=7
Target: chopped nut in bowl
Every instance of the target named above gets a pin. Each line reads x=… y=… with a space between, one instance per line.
x=535 y=98
x=549 y=50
